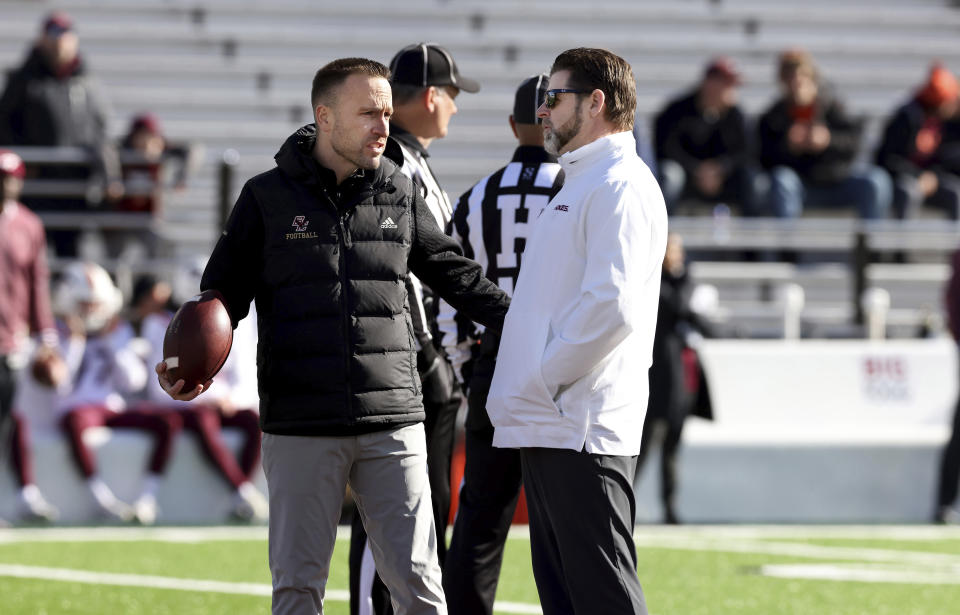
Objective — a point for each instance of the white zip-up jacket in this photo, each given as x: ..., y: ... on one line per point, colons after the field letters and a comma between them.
x: 578, y: 339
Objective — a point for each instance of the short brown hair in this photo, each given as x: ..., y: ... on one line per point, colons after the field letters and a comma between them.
x: 794, y: 59
x: 332, y: 75
x: 599, y: 69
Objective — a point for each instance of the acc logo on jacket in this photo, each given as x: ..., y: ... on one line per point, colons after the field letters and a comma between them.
x: 562, y: 208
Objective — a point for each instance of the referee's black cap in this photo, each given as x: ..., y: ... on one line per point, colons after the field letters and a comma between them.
x: 426, y: 64
x: 528, y: 99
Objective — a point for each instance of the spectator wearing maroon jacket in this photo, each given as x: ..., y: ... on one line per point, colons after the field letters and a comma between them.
x: 919, y: 148
x: 24, y: 310
x: 150, y: 165
x: 808, y: 143
x: 144, y: 177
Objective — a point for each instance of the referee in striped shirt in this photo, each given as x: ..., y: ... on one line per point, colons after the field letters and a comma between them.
x: 492, y: 221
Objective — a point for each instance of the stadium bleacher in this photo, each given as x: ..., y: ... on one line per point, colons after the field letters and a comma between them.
x: 235, y: 74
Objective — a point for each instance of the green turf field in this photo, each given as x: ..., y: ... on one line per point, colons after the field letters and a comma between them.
x: 684, y: 571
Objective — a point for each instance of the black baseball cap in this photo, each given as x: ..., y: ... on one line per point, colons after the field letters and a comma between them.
x: 528, y: 99
x: 426, y: 64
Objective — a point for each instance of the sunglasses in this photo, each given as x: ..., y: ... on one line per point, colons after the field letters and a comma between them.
x: 551, y: 98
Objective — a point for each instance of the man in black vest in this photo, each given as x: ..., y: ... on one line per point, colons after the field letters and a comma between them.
x: 324, y: 243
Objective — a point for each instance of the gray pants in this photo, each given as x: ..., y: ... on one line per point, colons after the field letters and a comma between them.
x: 387, y: 471
x: 581, y: 532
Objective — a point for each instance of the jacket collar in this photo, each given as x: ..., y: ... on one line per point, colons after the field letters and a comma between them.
x: 586, y: 156
x: 295, y: 158
x: 531, y: 154
x: 408, y: 140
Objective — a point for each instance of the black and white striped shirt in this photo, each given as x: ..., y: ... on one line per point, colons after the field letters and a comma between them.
x: 491, y: 221
x: 423, y: 307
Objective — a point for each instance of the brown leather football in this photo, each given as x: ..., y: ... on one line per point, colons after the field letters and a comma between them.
x: 198, y: 340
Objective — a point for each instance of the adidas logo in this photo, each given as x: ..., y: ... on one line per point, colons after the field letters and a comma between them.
x: 388, y: 223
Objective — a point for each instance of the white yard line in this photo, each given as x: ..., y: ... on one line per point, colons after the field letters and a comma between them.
x: 131, y: 534
x: 197, y: 585
x: 807, y: 532
x: 863, y: 573
x: 791, y: 549
x: 142, y: 580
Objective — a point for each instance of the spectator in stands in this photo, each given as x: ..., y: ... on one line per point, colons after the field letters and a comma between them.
x: 24, y: 311
x: 149, y: 164
x: 425, y: 82
x: 701, y: 143
x: 217, y: 410
x: 674, y: 381
x: 949, y: 484
x: 808, y: 143
x: 918, y: 148
x: 51, y: 100
x: 104, y: 366
x: 144, y: 177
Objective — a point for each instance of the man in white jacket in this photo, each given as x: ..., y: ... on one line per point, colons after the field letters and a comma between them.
x: 570, y: 387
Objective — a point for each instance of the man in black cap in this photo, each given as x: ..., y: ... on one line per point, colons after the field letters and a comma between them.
x: 425, y: 82
x: 491, y: 221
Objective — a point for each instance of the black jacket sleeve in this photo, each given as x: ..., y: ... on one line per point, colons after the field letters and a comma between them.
x: 772, y: 137
x: 845, y: 131
x: 896, y: 146
x: 438, y: 260
x: 237, y: 260
x: 11, y: 104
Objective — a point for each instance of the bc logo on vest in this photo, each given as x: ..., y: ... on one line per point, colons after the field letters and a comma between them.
x: 300, y: 225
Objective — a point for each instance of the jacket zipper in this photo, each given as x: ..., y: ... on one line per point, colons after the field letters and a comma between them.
x: 346, y: 243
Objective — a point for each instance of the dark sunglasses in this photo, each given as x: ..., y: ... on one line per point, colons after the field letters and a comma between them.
x: 551, y: 98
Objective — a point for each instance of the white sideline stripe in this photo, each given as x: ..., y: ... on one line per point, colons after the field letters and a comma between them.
x: 139, y: 580
x: 130, y: 534
x: 197, y: 585
x: 865, y: 574
x: 880, y: 532
x: 801, y: 550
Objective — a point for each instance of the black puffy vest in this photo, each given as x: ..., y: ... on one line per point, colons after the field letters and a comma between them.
x: 336, y: 353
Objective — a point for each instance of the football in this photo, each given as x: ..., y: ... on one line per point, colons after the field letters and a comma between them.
x: 198, y: 340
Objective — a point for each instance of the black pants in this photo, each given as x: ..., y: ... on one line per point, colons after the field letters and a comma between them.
x: 488, y: 498
x: 673, y: 430
x: 7, y: 389
x: 950, y: 465
x: 581, y: 532
x: 440, y: 430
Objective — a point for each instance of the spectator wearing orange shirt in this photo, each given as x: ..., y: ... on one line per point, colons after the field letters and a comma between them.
x: 919, y: 145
